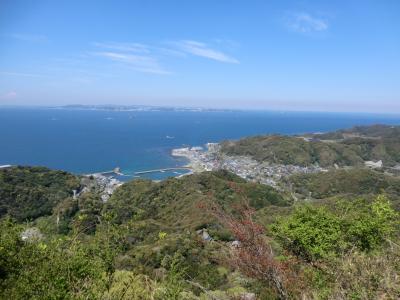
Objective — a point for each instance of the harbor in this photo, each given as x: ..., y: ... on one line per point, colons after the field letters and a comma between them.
x: 118, y: 175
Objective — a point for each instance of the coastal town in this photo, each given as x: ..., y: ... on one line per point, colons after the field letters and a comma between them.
x: 104, y: 183
x: 211, y: 158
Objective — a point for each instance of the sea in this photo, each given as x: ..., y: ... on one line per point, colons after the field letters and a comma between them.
x: 89, y: 141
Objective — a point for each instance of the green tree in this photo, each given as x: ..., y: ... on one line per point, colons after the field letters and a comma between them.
x: 370, y: 225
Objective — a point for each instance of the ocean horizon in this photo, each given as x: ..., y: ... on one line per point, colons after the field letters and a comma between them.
x: 91, y: 141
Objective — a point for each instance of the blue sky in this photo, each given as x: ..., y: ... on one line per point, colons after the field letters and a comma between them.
x: 286, y: 55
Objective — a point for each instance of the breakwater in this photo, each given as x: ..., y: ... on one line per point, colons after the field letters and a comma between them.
x: 162, y: 170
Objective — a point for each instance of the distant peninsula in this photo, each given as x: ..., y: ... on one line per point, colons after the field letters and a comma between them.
x: 111, y: 107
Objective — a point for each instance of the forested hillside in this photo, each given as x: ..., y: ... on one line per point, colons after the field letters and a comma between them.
x: 374, y: 131
x: 353, y: 182
x: 204, y: 236
x: 344, y: 148
x: 27, y: 193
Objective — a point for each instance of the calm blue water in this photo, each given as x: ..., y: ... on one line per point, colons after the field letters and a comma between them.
x: 82, y: 141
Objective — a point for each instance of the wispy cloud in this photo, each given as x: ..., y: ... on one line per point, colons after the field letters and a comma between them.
x: 203, y: 50
x: 142, y: 63
x: 28, y: 37
x: 9, y: 95
x: 146, y: 57
x: 305, y: 23
x: 126, y: 47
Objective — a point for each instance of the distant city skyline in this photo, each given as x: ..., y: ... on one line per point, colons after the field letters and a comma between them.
x: 271, y: 55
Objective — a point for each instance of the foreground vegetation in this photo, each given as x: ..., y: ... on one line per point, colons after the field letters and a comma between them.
x: 204, y: 236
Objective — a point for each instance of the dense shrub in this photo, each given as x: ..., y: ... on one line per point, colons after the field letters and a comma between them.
x: 53, y: 269
x: 311, y: 232
x: 369, y: 225
x: 316, y: 232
